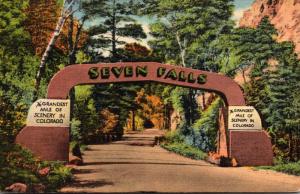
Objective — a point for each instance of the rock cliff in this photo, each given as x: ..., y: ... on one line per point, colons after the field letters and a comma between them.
x: 284, y: 15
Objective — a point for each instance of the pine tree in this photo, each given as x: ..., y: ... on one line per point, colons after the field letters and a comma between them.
x: 272, y: 89
x: 117, y: 98
x: 113, y: 22
x: 185, y: 28
x: 283, y: 108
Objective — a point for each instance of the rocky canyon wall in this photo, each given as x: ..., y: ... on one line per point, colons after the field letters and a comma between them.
x: 283, y: 14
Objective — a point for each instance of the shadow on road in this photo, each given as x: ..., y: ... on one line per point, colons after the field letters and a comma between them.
x: 90, y: 183
x: 151, y: 163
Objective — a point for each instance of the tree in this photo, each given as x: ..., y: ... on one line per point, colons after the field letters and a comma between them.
x: 134, y: 52
x: 151, y: 109
x: 283, y: 108
x: 114, y: 22
x: 185, y: 35
x: 187, y: 26
x: 65, y: 13
x: 40, y: 22
x: 119, y: 99
x: 273, y: 87
x: 255, y: 46
x: 17, y: 65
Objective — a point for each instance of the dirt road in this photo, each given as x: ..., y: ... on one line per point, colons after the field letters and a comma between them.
x: 133, y: 165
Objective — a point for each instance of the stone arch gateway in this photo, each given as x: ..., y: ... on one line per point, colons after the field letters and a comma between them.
x: 46, y: 133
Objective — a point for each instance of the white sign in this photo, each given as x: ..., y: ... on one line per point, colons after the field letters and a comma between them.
x: 49, y: 113
x: 243, y: 117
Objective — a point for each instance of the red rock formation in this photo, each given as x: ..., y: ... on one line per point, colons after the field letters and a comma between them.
x: 284, y: 14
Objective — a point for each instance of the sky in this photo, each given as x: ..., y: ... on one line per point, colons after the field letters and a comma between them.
x: 240, y: 7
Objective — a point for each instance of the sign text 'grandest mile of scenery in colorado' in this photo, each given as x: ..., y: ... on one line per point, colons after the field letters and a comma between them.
x: 49, y: 113
x: 243, y: 118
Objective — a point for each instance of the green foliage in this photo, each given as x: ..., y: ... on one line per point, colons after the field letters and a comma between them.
x: 75, y: 130
x: 17, y: 68
x: 255, y: 46
x: 206, y: 128
x: 118, y: 98
x: 177, y: 98
x: 16, y: 71
x: 114, y: 17
x: 173, y: 137
x: 81, y: 57
x: 174, y: 142
x: 273, y: 88
x: 186, y: 28
x: 58, y: 176
x: 19, y: 165
x: 86, y: 117
x: 189, y: 33
x: 184, y: 102
x: 289, y: 168
x: 12, y: 118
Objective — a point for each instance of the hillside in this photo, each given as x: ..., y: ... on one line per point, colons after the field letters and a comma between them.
x: 284, y: 14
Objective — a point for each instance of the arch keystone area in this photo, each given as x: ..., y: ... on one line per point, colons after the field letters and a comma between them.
x: 47, y: 131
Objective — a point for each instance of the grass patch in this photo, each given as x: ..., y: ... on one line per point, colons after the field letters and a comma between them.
x: 174, y: 142
x: 288, y: 168
x: 185, y: 150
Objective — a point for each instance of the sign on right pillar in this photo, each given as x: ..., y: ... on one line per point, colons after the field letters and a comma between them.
x: 249, y: 144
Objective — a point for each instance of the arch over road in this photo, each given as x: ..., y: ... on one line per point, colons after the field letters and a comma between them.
x: 51, y: 142
x: 73, y: 75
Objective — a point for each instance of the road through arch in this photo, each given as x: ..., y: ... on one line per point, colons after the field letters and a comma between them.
x: 48, y: 135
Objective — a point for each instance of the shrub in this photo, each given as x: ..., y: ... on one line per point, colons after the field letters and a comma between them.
x: 185, y: 150
x: 75, y: 130
x: 174, y: 137
x: 205, y: 130
x: 58, y: 176
x: 175, y: 142
x: 19, y: 165
x: 289, y: 168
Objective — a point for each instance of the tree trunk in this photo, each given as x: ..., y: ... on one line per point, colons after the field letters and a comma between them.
x: 72, y: 60
x: 244, y: 76
x: 190, y: 120
x: 133, y: 121
x: 182, y: 49
x: 114, y: 31
x: 45, y: 56
x: 203, y: 101
x: 291, y: 147
x: 64, y: 15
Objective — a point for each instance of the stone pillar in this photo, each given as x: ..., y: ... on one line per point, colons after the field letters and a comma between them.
x: 48, y: 143
x: 222, y: 148
x: 250, y: 148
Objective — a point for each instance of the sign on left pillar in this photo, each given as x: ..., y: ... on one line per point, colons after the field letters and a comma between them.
x: 49, y: 113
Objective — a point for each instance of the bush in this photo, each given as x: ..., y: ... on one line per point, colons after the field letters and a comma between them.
x: 186, y: 150
x: 205, y: 130
x: 59, y: 175
x: 19, y: 165
x: 75, y: 130
x: 289, y: 168
x: 74, y: 148
x: 173, y: 137
x: 174, y: 142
